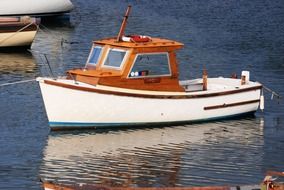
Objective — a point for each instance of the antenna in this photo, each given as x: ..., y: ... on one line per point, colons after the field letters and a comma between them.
x: 123, y: 25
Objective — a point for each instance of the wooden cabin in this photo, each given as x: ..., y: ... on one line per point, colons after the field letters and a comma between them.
x: 149, y: 64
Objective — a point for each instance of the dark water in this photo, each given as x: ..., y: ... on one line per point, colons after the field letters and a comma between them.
x: 223, y: 36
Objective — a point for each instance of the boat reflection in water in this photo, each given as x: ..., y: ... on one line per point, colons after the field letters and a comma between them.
x: 196, y: 155
x: 20, y: 63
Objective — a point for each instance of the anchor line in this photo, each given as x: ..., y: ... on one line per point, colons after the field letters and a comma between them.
x: 44, y: 60
x: 273, y: 93
x: 50, y: 69
x: 45, y: 29
x: 17, y: 82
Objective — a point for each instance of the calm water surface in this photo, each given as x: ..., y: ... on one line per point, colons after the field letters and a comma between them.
x: 223, y: 36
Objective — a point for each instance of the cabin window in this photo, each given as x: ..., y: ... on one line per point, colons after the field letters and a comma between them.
x: 94, y: 56
x: 115, y: 58
x: 151, y: 65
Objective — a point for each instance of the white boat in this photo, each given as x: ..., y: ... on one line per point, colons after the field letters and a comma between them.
x: 133, y: 81
x: 34, y: 7
x: 17, y: 31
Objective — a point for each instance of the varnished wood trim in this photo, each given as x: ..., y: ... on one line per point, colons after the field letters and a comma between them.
x: 16, y: 27
x: 230, y: 105
x: 50, y: 185
x: 152, y: 80
x: 87, y: 89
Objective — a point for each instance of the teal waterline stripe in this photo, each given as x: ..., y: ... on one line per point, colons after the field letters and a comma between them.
x: 58, y: 124
x: 82, y: 125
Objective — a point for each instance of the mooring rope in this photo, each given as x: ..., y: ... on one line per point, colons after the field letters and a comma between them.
x: 46, y: 30
x: 273, y: 93
x: 17, y: 82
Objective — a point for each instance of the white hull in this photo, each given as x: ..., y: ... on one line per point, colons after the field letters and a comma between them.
x: 80, y: 105
x: 12, y: 39
x: 34, y: 7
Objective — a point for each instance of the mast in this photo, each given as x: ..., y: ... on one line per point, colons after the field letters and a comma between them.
x: 123, y: 25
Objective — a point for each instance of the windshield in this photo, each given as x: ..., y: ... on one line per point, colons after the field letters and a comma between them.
x: 115, y: 58
x: 151, y: 65
x: 94, y: 56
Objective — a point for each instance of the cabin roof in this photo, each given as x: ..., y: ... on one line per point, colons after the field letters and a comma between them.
x: 155, y: 42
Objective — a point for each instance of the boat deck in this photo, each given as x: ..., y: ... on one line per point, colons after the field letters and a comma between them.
x: 214, y: 84
x: 192, y: 87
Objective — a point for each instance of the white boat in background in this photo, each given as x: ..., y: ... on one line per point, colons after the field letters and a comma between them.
x: 133, y: 80
x: 34, y: 7
x: 17, y: 31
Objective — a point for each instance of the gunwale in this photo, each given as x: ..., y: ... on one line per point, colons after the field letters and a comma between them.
x: 13, y: 27
x: 179, y: 95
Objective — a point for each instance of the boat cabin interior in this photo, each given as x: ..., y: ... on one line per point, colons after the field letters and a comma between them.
x: 147, y: 65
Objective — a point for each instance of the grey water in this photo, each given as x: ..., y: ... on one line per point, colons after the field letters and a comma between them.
x: 225, y: 37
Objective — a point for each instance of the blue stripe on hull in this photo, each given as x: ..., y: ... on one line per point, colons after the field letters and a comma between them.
x: 81, y: 125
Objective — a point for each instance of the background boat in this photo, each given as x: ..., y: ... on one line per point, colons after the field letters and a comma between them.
x: 18, y: 31
x: 34, y: 7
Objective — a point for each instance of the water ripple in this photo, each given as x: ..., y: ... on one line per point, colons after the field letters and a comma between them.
x: 223, y: 36
x: 192, y: 154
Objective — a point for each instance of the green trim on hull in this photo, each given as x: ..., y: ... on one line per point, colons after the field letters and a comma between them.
x: 57, y: 126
